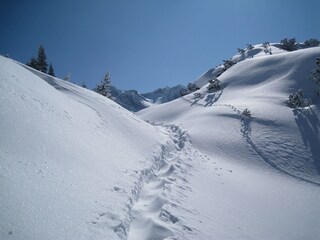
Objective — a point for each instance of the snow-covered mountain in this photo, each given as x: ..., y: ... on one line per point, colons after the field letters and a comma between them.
x: 163, y: 95
x: 259, y: 176
x: 76, y: 165
x: 134, y: 101
x: 259, y: 50
x: 131, y: 99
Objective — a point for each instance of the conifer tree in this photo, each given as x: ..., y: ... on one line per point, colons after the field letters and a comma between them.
x: 42, y: 60
x: 315, y: 75
x: 289, y: 44
x: 104, y: 88
x: 51, y: 71
x: 33, y: 63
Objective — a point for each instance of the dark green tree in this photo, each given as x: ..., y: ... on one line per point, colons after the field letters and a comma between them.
x: 84, y: 85
x: 33, y: 63
x: 313, y: 42
x: 42, y: 60
x: 51, y: 71
x: 289, y: 44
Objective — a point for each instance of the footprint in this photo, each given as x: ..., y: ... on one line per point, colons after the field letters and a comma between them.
x: 165, y: 215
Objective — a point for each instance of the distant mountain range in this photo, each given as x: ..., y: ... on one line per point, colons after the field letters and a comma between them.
x: 135, y: 101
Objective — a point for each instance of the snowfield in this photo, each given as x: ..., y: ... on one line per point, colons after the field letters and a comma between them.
x: 260, y: 178
x: 72, y: 161
x: 75, y: 165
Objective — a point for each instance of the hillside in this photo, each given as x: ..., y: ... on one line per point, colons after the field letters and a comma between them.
x: 76, y: 165
x: 261, y: 175
x: 71, y: 161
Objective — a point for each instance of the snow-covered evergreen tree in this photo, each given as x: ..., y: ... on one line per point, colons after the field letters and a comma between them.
x: 192, y: 87
x: 249, y: 47
x: 246, y: 112
x: 312, y: 42
x: 104, y: 88
x: 214, y: 84
x: 315, y: 75
x: 289, y: 44
x: 227, y: 64
x: 297, y: 100
x: 241, y: 50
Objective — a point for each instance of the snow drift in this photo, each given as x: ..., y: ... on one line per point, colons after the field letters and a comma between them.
x: 71, y: 161
x: 75, y: 165
x: 260, y: 178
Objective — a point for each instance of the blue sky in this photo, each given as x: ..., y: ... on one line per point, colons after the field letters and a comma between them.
x: 147, y: 44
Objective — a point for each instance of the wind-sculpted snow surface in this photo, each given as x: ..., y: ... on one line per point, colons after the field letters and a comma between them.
x: 75, y: 165
x: 258, y: 51
x: 267, y: 164
x: 71, y: 161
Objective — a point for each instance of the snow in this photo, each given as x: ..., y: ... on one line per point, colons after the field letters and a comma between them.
x: 259, y: 178
x: 131, y: 100
x: 72, y: 161
x: 163, y: 95
x: 76, y: 165
x: 257, y: 51
x: 134, y: 101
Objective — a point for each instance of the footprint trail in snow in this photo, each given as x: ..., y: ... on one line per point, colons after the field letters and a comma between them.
x: 160, y: 212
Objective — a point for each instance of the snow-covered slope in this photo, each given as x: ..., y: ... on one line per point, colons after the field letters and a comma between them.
x: 75, y: 165
x: 72, y: 162
x: 259, y: 50
x: 259, y: 177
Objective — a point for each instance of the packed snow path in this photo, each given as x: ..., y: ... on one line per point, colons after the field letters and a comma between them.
x: 160, y: 212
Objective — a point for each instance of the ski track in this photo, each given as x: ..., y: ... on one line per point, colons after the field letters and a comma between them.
x: 246, y: 132
x: 159, y: 210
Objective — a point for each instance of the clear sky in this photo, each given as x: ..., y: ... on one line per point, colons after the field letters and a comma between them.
x: 147, y: 44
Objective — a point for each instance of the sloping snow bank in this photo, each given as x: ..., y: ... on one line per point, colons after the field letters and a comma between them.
x: 262, y: 177
x: 258, y: 51
x: 71, y: 161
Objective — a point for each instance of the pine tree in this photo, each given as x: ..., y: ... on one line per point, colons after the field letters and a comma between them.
x: 249, y: 46
x: 313, y: 42
x: 192, y: 87
x: 84, y: 85
x: 33, y: 63
x: 315, y: 74
x: 104, y: 88
x: 42, y: 64
x: 289, y: 44
x: 51, y: 71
